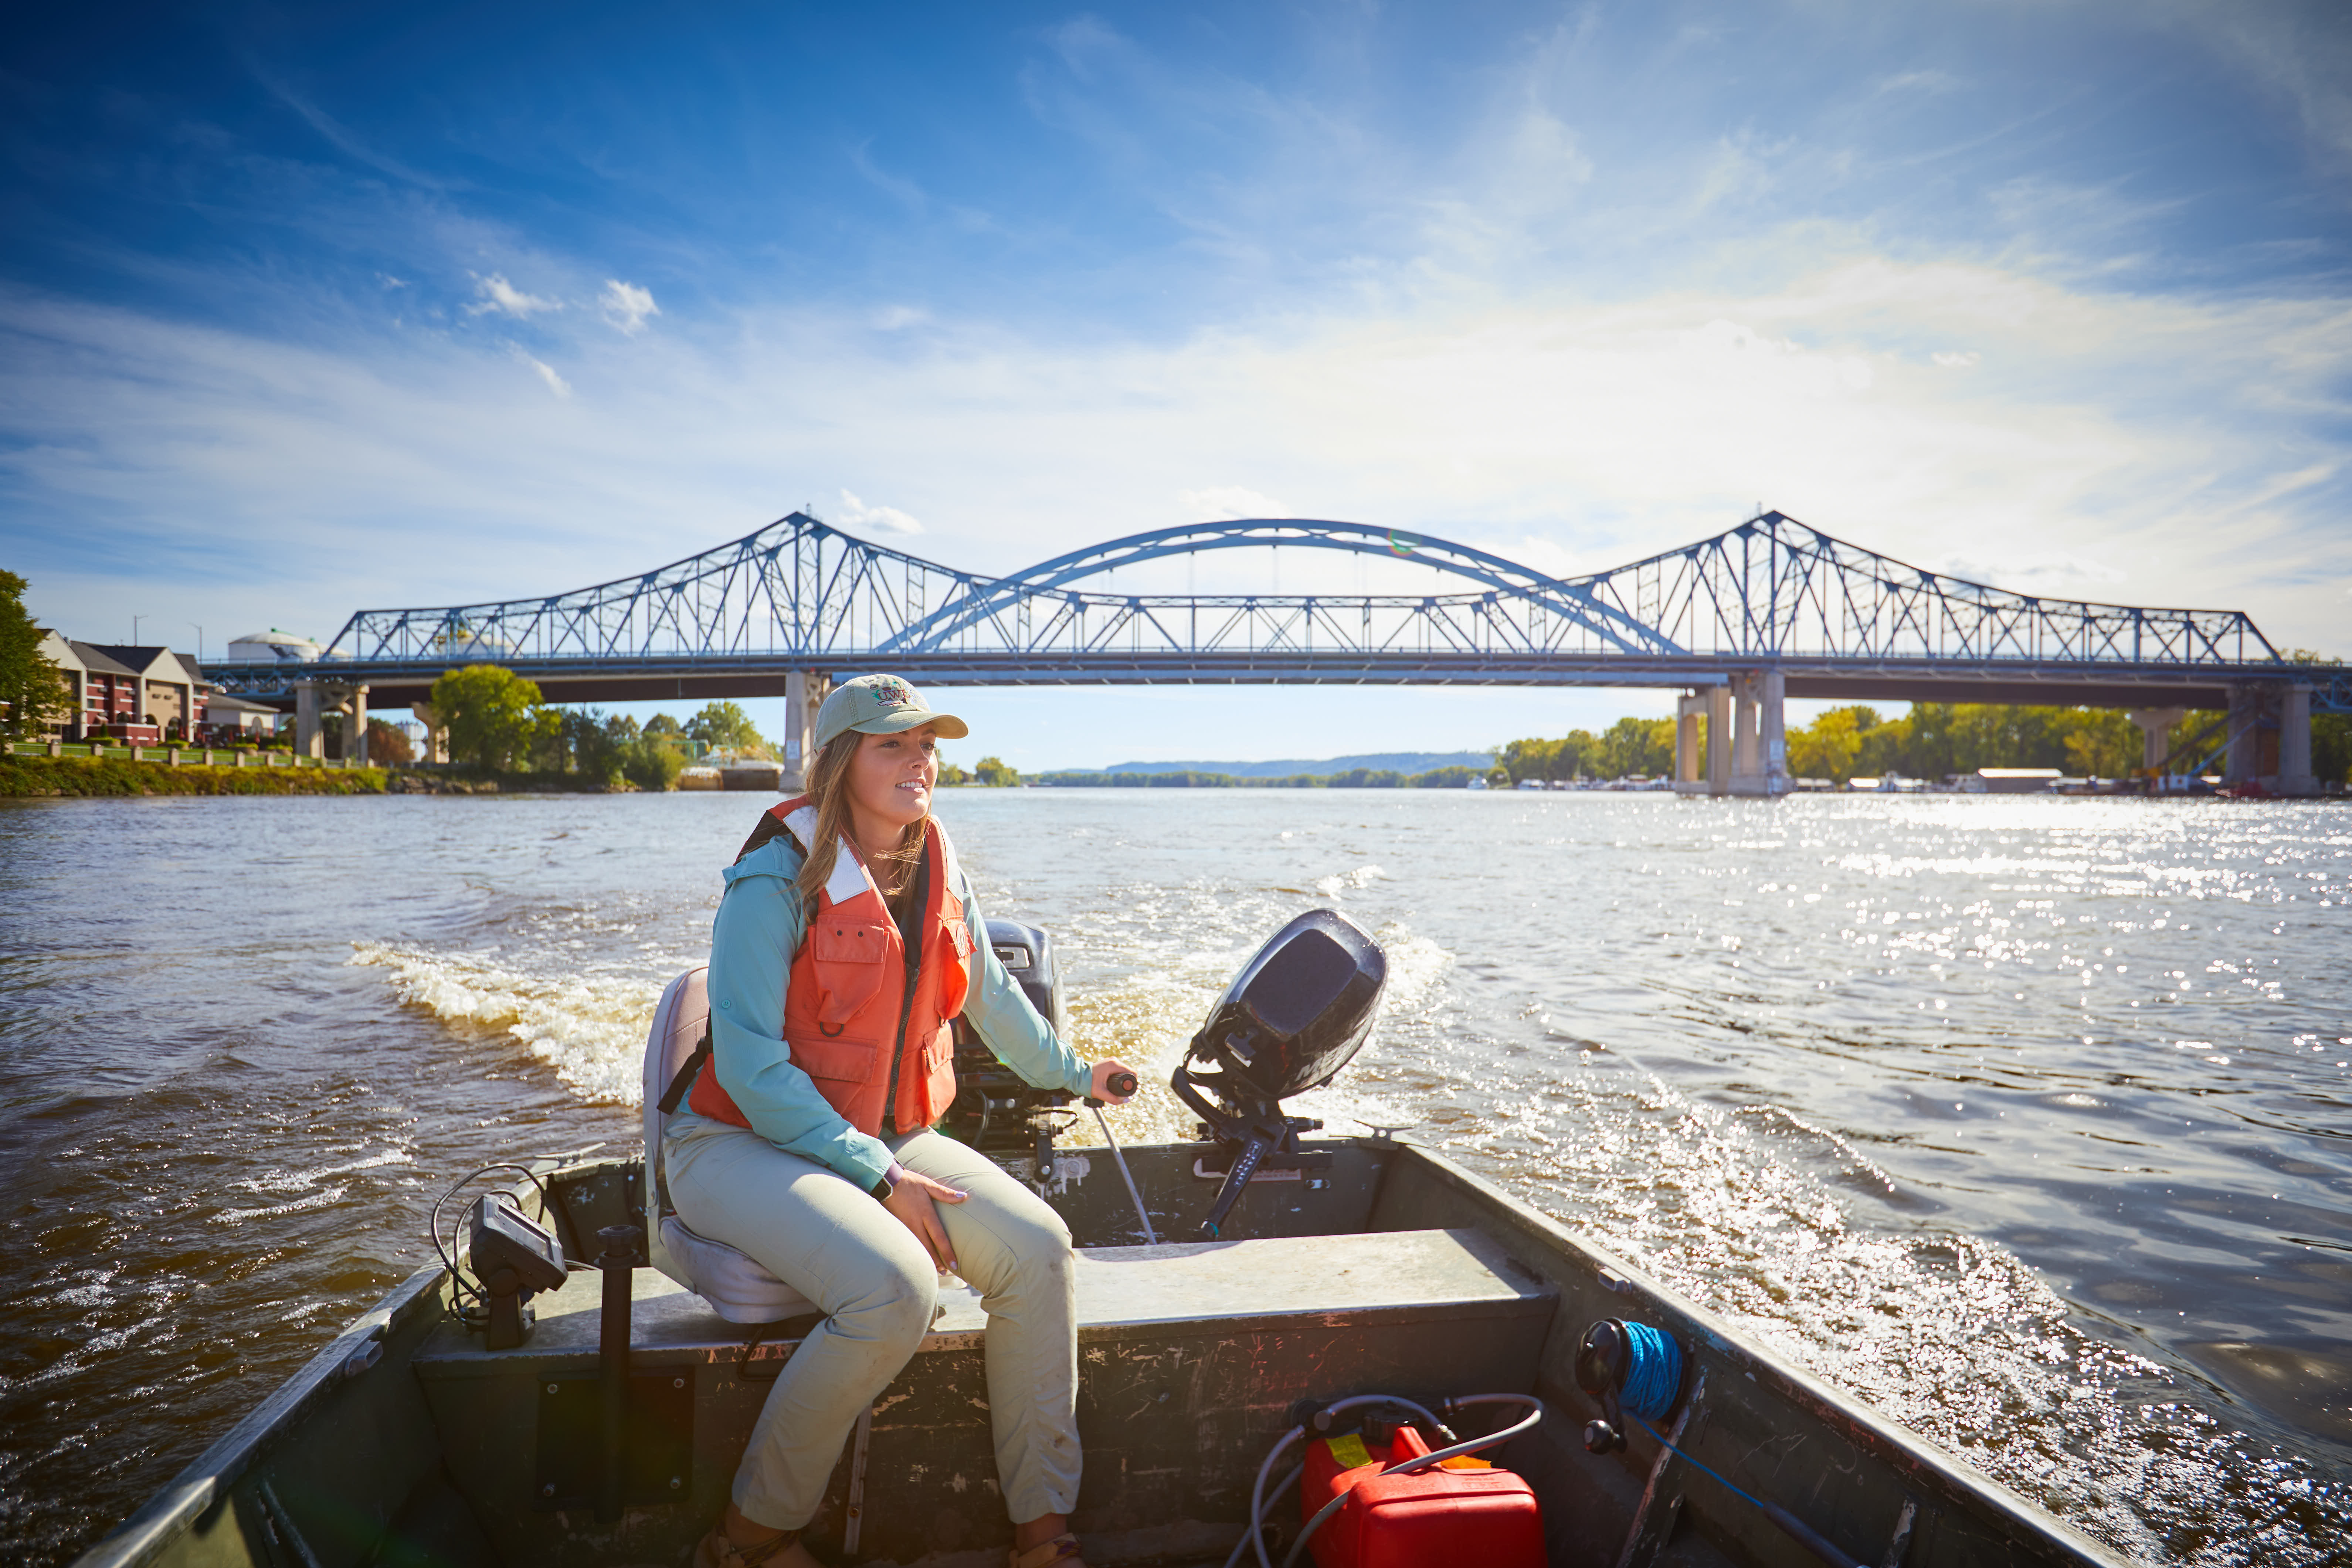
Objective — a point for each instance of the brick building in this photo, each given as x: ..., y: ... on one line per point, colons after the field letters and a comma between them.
x: 141, y: 696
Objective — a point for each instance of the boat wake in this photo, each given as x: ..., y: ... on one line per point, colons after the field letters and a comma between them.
x: 588, y: 1027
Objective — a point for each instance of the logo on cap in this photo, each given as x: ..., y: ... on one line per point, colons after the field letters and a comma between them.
x: 892, y: 692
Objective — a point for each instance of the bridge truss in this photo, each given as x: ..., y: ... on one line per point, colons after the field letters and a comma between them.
x: 801, y: 594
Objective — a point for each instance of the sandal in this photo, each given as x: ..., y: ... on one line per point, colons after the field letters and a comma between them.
x: 716, y: 1550
x: 1062, y: 1549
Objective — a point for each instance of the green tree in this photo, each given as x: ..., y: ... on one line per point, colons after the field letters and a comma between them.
x: 1831, y: 747
x: 32, y: 688
x: 1633, y: 746
x: 991, y: 772
x: 1529, y: 759
x: 724, y: 727
x: 2102, y: 742
x: 952, y: 775
x: 495, y: 718
x: 653, y: 763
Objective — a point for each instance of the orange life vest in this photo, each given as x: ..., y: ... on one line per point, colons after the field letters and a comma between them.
x: 850, y: 1020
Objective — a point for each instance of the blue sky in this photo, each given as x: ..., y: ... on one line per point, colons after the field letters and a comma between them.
x: 306, y: 310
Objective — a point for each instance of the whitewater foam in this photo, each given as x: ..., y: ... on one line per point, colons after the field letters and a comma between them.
x: 588, y: 1027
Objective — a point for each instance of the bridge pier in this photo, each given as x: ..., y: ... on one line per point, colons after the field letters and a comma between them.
x: 2270, y: 737
x: 309, y: 733
x: 2156, y: 727
x: 1687, y: 710
x: 1711, y: 704
x: 436, y: 734
x: 804, y: 693
x: 2294, y: 775
x: 1760, y: 748
x: 1718, y: 740
x: 313, y: 701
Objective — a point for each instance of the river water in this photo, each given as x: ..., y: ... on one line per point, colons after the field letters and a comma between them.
x: 2024, y: 1119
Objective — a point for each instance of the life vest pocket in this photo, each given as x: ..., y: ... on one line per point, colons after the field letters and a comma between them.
x: 955, y: 971
x: 850, y: 960
x: 836, y: 1061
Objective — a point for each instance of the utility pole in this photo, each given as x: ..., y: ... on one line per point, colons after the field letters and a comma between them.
x: 200, y: 642
x: 134, y: 629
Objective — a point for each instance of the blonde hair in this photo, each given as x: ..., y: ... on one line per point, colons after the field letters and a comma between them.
x: 828, y: 791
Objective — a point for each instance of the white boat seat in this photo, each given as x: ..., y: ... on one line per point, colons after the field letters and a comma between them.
x: 737, y: 1286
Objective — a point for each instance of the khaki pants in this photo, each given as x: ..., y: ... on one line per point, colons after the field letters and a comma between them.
x: 878, y: 1286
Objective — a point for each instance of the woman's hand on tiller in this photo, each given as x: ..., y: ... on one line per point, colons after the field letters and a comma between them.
x: 1101, y: 1084
x: 912, y: 1203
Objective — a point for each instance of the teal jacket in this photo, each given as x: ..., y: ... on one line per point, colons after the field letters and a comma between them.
x: 761, y: 925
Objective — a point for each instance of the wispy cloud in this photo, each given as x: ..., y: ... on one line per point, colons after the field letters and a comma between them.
x: 859, y: 518
x: 498, y: 294
x: 626, y: 306
x: 2102, y: 435
x: 341, y: 138
x: 546, y: 373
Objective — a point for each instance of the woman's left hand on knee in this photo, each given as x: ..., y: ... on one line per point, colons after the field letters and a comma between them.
x: 913, y: 1203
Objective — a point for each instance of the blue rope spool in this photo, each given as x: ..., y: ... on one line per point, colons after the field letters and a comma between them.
x: 1654, y: 1372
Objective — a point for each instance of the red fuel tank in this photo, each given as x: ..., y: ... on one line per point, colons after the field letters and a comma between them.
x: 1463, y: 1511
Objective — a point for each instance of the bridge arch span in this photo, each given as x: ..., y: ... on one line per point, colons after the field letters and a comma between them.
x: 987, y: 601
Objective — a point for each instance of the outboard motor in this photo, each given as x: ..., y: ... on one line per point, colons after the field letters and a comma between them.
x: 1295, y: 1015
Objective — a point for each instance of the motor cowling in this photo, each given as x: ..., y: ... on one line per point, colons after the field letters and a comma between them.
x: 1295, y: 1015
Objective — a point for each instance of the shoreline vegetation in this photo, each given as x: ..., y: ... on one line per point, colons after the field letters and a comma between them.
x: 27, y: 778
x: 504, y: 738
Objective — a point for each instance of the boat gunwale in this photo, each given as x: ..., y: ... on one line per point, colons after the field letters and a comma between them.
x: 206, y: 1481
x: 1869, y: 1429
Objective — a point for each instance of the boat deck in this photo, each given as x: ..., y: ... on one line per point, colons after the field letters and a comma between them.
x: 1191, y: 1355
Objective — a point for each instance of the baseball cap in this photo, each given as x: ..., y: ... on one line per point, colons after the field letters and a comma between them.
x: 881, y: 705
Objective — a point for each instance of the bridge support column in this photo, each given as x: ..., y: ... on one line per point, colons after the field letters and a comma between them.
x: 2294, y: 775
x: 2156, y: 725
x: 355, y: 738
x: 1744, y: 770
x: 310, y: 734
x: 1687, y: 712
x: 804, y: 693
x: 2243, y: 764
x: 436, y: 735
x: 1759, y: 751
x: 1718, y: 740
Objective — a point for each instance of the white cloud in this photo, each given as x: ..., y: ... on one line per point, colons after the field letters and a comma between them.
x: 626, y: 306
x: 498, y: 294
x: 856, y: 517
x: 556, y: 384
x: 1957, y: 360
x: 2156, y: 451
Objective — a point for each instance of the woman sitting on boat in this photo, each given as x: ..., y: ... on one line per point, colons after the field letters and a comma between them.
x: 846, y: 942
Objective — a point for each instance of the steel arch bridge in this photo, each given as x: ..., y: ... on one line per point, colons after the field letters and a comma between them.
x: 800, y: 595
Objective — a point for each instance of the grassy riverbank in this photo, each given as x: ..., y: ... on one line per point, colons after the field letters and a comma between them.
x: 23, y: 776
